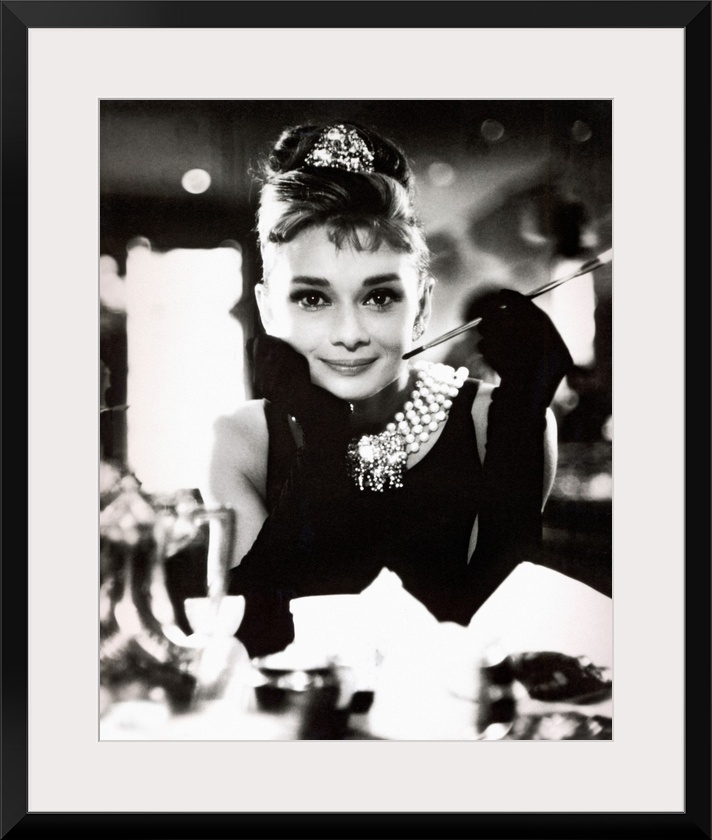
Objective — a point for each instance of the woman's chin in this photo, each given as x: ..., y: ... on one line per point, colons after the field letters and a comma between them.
x: 348, y: 392
x: 363, y: 392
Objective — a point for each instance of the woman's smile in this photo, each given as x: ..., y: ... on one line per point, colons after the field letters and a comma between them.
x: 350, y: 367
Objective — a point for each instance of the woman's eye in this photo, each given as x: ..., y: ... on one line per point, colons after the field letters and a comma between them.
x: 382, y: 297
x: 309, y: 300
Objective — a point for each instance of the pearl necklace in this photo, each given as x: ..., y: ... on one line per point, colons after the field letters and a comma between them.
x: 378, y: 462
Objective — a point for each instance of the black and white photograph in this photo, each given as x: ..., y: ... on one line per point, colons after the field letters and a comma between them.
x: 357, y: 426
x: 331, y: 319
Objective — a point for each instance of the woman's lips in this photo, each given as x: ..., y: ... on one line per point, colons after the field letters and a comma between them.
x: 348, y: 367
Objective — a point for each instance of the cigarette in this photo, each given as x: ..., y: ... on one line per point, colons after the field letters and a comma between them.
x: 586, y: 268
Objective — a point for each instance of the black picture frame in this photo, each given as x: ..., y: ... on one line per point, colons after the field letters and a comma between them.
x: 694, y: 18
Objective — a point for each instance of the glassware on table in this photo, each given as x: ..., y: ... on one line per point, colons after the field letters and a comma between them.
x: 158, y: 652
x: 483, y: 678
x: 496, y: 702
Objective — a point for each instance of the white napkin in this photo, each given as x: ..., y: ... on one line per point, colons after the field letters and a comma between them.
x: 430, y: 678
x: 538, y: 609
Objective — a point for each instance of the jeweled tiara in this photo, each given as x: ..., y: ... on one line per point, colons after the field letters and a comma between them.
x: 339, y: 147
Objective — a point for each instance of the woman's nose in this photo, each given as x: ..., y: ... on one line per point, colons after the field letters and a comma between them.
x: 348, y: 329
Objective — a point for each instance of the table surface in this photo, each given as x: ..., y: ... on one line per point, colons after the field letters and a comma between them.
x: 425, y: 675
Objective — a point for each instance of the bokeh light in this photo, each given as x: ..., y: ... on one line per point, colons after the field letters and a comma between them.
x: 492, y: 130
x: 581, y: 131
x: 196, y: 181
x: 441, y: 174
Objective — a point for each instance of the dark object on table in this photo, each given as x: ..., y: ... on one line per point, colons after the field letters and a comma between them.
x: 311, y: 696
x: 361, y: 702
x: 555, y: 677
x: 561, y: 726
x: 497, y: 707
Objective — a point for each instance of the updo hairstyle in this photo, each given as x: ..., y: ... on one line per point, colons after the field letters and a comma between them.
x: 363, y: 209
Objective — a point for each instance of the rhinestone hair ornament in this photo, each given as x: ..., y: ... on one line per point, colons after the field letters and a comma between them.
x: 340, y: 147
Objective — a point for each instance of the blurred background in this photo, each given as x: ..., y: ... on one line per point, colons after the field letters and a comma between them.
x: 511, y: 193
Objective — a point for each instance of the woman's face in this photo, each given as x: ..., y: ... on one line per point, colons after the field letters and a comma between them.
x: 350, y: 313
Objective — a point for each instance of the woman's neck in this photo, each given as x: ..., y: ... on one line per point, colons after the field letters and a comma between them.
x: 371, y: 415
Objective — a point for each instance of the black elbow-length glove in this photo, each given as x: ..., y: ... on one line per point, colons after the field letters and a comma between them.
x: 290, y: 547
x: 524, y: 347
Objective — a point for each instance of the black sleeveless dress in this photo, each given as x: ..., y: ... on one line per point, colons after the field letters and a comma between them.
x: 420, y: 531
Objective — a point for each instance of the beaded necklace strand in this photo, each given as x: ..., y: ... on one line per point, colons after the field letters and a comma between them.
x: 378, y: 462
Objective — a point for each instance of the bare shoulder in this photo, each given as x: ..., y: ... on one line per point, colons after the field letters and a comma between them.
x: 480, y: 409
x: 238, y: 470
x: 247, y: 422
x: 242, y: 439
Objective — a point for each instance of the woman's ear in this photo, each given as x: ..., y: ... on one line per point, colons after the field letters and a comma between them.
x: 263, y: 305
x: 426, y: 302
x: 424, y: 309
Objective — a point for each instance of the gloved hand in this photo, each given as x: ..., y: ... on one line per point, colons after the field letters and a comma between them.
x: 297, y: 541
x: 281, y: 375
x: 523, y: 346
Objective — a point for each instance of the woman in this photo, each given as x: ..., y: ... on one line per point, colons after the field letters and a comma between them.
x: 353, y: 459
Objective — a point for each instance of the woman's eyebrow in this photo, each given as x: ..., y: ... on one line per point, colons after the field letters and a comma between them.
x: 306, y: 280
x: 377, y: 279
